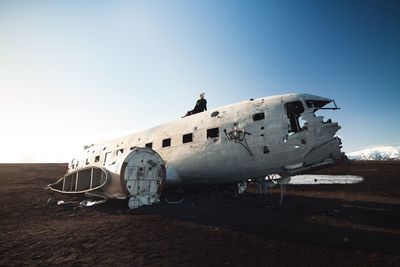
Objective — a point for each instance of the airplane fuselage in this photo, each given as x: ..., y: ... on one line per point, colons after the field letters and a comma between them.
x: 233, y: 143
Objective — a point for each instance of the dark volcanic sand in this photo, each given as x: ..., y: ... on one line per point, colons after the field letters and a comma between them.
x: 332, y: 225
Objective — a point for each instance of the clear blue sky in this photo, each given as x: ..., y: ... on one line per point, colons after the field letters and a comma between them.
x: 76, y: 72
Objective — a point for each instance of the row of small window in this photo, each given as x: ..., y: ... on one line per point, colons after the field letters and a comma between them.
x: 108, y: 154
x: 211, y: 133
x: 186, y: 138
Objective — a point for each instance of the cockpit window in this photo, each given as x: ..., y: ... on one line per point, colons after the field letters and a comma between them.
x: 320, y: 104
x: 293, y: 111
x: 316, y: 103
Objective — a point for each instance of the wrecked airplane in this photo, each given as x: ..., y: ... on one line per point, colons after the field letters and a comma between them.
x: 266, y: 140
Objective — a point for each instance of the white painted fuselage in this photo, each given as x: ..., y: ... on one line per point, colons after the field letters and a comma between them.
x: 233, y: 143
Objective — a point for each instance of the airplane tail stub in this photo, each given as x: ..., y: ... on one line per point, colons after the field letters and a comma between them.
x: 140, y: 176
x: 143, y: 176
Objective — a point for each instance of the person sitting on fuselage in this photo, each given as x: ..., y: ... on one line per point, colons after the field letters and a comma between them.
x: 201, y: 105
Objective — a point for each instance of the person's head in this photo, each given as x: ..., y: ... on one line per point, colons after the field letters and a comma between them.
x: 202, y: 95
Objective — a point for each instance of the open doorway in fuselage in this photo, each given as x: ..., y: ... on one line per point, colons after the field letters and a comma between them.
x: 296, y: 122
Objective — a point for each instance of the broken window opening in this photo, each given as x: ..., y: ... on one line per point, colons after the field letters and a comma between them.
x: 293, y: 111
x: 166, y: 142
x: 213, y: 133
x: 120, y: 151
x: 258, y: 116
x: 97, y: 159
x: 132, y: 147
x: 320, y: 104
x: 187, y: 138
x: 87, y: 162
x: 149, y: 145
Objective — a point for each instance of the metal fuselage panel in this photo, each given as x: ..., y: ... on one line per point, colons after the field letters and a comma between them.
x: 267, y: 146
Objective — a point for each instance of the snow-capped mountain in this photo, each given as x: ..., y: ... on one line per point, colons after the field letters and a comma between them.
x: 376, y: 153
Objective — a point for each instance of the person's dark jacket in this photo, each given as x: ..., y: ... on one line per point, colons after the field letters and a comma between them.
x: 201, y: 105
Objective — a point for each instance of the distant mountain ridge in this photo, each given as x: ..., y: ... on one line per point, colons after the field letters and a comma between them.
x: 376, y: 153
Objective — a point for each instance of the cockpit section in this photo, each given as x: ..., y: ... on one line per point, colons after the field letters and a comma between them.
x: 309, y: 137
x: 301, y: 113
